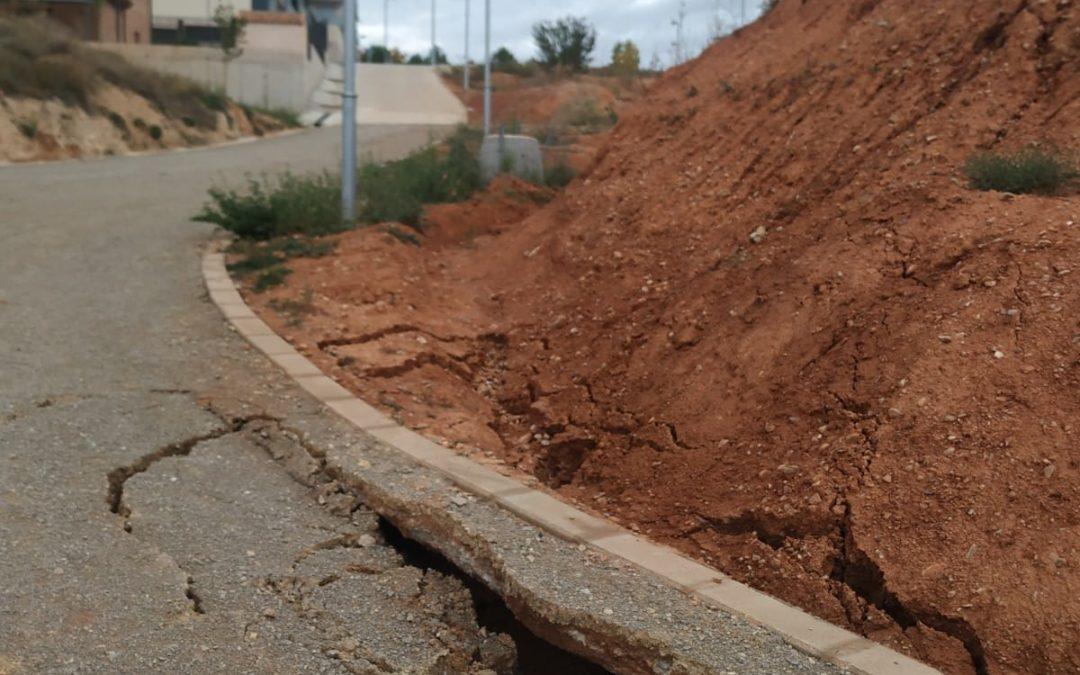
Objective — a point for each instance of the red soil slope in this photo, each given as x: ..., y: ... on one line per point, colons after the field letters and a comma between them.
x: 869, y: 410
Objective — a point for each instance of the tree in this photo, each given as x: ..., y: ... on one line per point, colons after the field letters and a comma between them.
x: 231, y: 27
x: 625, y: 59
x: 377, y: 54
x: 566, y: 43
x: 417, y: 60
x: 504, y: 60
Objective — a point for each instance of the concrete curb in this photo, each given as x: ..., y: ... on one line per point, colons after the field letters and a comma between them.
x: 808, y: 633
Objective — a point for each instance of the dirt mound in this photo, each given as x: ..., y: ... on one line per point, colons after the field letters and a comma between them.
x: 773, y: 327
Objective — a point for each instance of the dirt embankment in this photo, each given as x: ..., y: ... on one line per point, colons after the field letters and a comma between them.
x: 61, y: 98
x: 773, y: 327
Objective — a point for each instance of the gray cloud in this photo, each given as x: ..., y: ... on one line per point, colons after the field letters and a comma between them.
x: 647, y: 22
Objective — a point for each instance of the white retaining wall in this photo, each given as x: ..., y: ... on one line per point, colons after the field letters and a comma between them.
x: 272, y: 79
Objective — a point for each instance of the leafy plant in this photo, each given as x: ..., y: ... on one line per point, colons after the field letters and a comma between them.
x: 1030, y: 171
x: 397, y: 191
x: 275, y: 207
x: 155, y: 132
x: 559, y: 176
x: 275, y: 276
x: 625, y: 59
x: 27, y: 128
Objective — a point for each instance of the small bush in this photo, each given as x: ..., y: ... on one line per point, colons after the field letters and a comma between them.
x: 397, y: 191
x: 215, y: 100
x: 117, y: 120
x: 1029, y: 171
x: 274, y: 276
x: 254, y: 256
x: 586, y: 114
x: 559, y: 176
x: 269, y: 208
x: 155, y: 132
x: 27, y: 128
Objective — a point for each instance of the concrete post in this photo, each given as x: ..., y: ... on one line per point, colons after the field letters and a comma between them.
x: 348, y: 118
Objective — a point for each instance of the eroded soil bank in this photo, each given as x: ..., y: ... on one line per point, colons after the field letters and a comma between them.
x: 868, y: 407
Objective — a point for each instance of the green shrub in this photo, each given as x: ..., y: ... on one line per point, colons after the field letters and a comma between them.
x: 397, y: 191
x: 155, y: 132
x: 259, y: 255
x: 27, y: 128
x: 559, y: 176
x: 275, y: 276
x: 586, y: 114
x: 1029, y: 171
x: 269, y: 208
x: 286, y: 117
x: 117, y: 120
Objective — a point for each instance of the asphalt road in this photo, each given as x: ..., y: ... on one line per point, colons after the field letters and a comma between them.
x: 154, y: 517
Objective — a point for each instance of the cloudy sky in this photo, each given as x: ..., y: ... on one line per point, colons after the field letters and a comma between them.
x: 647, y: 22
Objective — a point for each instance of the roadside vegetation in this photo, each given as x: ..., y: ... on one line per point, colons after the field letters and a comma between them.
x: 1032, y: 170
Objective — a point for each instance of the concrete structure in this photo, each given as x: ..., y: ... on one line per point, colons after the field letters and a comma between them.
x: 107, y: 21
x: 387, y: 94
x: 273, y: 79
x: 519, y: 155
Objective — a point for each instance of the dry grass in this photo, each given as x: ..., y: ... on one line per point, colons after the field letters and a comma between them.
x: 40, y: 59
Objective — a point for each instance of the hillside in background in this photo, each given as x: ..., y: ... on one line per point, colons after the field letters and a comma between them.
x: 773, y: 325
x: 61, y: 98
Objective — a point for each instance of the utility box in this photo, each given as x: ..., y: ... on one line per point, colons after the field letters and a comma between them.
x: 519, y: 155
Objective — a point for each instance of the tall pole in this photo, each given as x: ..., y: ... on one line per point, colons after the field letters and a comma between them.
x: 433, y: 32
x: 348, y: 118
x: 742, y: 12
x: 465, y: 85
x: 386, y: 24
x: 487, y: 67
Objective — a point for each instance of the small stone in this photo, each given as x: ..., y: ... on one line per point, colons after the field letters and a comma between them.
x: 990, y: 283
x: 1049, y: 470
x: 895, y: 413
x: 608, y: 611
x: 269, y: 612
x: 887, y: 478
x: 459, y: 500
x: 945, y: 338
x: 365, y: 540
x: 769, y: 427
x: 998, y: 354
x: 758, y: 235
x: 788, y: 469
x: 350, y: 644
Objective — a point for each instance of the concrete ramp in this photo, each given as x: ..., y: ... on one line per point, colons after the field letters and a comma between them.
x: 387, y: 94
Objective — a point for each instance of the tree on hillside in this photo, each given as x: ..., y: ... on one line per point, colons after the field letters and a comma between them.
x: 504, y: 60
x: 567, y: 43
x: 625, y: 59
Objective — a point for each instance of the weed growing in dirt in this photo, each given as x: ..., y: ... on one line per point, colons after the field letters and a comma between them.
x: 27, y: 128
x: 295, y: 309
x: 1029, y: 171
x: 397, y: 191
x: 253, y: 256
x: 559, y: 176
x: 275, y: 276
x: 276, y: 207
x: 586, y: 114
x: 117, y: 120
x: 155, y: 132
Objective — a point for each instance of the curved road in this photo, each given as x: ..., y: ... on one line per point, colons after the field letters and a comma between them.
x: 145, y: 525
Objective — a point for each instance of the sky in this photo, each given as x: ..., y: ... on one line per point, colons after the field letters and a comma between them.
x: 647, y: 22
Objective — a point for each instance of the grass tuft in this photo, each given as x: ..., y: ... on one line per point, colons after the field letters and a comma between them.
x: 1029, y: 171
x: 275, y: 276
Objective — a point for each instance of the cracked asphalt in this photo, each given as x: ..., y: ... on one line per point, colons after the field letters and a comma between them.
x: 153, y: 516
x: 171, y: 502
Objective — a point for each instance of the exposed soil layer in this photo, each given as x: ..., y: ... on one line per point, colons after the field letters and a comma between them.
x: 869, y: 408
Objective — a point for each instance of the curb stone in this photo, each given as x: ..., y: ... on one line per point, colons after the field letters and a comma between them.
x: 809, y: 634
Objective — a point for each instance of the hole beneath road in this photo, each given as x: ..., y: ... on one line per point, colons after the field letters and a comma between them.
x: 536, y: 656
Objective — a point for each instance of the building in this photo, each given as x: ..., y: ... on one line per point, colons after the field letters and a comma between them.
x: 122, y: 21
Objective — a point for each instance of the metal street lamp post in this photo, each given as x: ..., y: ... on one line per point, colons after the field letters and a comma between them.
x: 348, y: 118
x: 465, y: 85
x: 487, y: 67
